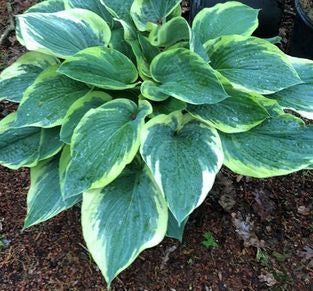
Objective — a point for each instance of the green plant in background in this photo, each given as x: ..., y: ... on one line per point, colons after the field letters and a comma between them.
x: 209, y: 241
x: 125, y: 107
x: 262, y: 257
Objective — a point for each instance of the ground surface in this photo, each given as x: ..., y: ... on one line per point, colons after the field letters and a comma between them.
x: 264, y: 232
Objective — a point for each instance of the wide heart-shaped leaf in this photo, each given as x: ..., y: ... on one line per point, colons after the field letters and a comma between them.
x: 93, y: 5
x: 119, y: 9
x: 279, y: 146
x: 225, y: 19
x: 299, y: 97
x: 102, y: 67
x: 186, y: 76
x: 104, y: 142
x: 123, y: 219
x: 144, y: 12
x: 174, y: 230
x: 184, y: 158
x: 252, y: 64
x: 177, y: 29
x: 18, y: 147
x: 76, y: 112
x: 63, y: 33
x: 195, y: 45
x: 52, y: 95
x: 303, y: 67
x: 44, y: 199
x: 47, y: 6
x: 15, y: 79
x: 24, y: 147
x: 238, y: 113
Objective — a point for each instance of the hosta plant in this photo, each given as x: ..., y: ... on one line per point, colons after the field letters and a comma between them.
x: 129, y: 112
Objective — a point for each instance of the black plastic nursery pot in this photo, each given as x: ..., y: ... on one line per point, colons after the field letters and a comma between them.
x: 302, y: 39
x: 269, y: 17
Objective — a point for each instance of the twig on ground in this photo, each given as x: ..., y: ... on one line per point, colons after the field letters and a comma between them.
x: 11, y: 25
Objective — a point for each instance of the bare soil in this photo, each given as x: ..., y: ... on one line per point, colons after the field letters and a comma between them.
x: 263, y: 228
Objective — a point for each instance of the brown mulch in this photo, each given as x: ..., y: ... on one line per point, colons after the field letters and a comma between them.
x: 274, y: 213
x: 4, y: 15
x: 264, y: 231
x: 11, y: 49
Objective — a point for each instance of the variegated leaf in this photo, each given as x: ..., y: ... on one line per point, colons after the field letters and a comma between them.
x: 144, y: 12
x: 120, y: 44
x: 239, y: 113
x: 145, y: 52
x: 47, y: 6
x: 101, y: 67
x: 279, y: 146
x: 184, y: 75
x: 50, y: 143
x: 104, y: 142
x: 51, y: 94
x: 123, y: 219
x: 304, y: 68
x: 171, y: 32
x: 252, y: 64
x: 174, y: 230
x: 168, y: 106
x: 44, y: 199
x: 15, y: 79
x: 184, y: 157
x: 24, y: 147
x: 225, y: 19
x: 142, y: 49
x: 63, y: 33
x: 79, y: 108
x: 152, y: 91
x: 299, y: 97
x: 119, y: 9
x: 93, y: 5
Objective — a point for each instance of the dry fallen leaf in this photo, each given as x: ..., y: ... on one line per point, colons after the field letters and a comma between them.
x: 268, y: 279
x: 304, y: 210
x: 244, y: 228
x: 264, y: 205
x: 227, y: 201
x: 239, y: 178
x: 307, y: 255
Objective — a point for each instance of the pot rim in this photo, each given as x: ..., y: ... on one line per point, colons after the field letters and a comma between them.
x: 303, y: 15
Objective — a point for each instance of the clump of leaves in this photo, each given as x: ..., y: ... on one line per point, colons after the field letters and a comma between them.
x: 209, y: 241
x: 126, y: 107
x: 262, y: 257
